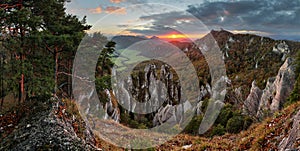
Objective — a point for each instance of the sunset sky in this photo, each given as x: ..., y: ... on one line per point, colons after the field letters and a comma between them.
x: 279, y: 19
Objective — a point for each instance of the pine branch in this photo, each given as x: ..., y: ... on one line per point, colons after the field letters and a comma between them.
x: 78, y: 77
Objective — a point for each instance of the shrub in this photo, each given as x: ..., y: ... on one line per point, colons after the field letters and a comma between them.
x: 247, y: 122
x: 225, y: 114
x: 193, y: 126
x: 235, y: 124
x: 295, y: 95
x: 126, y: 120
x: 218, y: 130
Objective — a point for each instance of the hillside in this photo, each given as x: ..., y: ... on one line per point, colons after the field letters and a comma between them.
x: 250, y: 57
x: 279, y: 132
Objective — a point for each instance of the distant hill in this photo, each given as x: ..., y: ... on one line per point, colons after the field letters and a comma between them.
x: 125, y: 41
x: 249, y: 57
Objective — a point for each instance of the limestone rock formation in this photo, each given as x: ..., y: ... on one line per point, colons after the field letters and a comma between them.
x: 278, y: 89
x: 111, y: 108
x: 252, y: 101
x: 275, y: 93
x: 282, y: 48
x: 145, y: 92
x: 173, y: 114
x: 284, y: 84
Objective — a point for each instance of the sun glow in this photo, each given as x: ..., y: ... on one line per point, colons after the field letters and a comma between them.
x: 173, y: 36
x: 179, y: 37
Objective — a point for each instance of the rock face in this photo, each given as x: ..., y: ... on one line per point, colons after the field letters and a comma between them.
x: 146, y: 90
x: 284, y: 84
x: 111, y: 108
x: 275, y: 93
x: 153, y: 89
x: 253, y: 99
x: 44, y: 130
x: 290, y: 142
x: 172, y: 114
x: 282, y: 48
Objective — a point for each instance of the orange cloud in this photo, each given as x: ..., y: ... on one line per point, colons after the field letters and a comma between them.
x: 115, y: 10
x: 97, y: 10
x: 116, y: 1
x: 178, y: 36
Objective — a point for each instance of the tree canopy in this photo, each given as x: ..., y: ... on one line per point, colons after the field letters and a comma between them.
x: 38, y: 43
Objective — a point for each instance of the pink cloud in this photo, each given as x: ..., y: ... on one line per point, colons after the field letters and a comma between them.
x: 116, y: 1
x: 115, y: 10
x: 97, y: 10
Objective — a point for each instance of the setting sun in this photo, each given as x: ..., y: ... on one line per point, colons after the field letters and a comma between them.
x: 173, y: 36
x: 176, y: 36
x: 179, y: 37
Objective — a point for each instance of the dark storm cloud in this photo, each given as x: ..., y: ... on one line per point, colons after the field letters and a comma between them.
x: 164, y: 23
x: 170, y: 18
x: 209, y: 11
x: 277, y: 17
x: 265, y: 14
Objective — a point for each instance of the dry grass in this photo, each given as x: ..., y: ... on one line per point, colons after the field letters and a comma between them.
x: 260, y: 136
x: 270, y: 132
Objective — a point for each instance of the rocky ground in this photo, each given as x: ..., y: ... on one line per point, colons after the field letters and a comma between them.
x: 43, y: 128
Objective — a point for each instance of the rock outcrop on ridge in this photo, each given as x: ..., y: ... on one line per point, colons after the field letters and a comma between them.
x: 275, y: 94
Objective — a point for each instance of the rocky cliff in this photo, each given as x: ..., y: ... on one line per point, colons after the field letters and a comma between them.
x: 111, y: 107
x: 251, y: 104
x: 152, y: 87
x: 261, y: 102
x: 48, y: 129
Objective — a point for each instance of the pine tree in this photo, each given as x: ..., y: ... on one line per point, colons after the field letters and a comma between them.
x: 40, y: 41
x: 105, y: 62
x: 16, y: 26
x: 62, y: 34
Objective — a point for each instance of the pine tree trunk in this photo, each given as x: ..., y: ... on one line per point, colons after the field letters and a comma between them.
x: 22, y: 57
x: 2, y: 91
x: 56, y: 70
x: 69, y: 78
